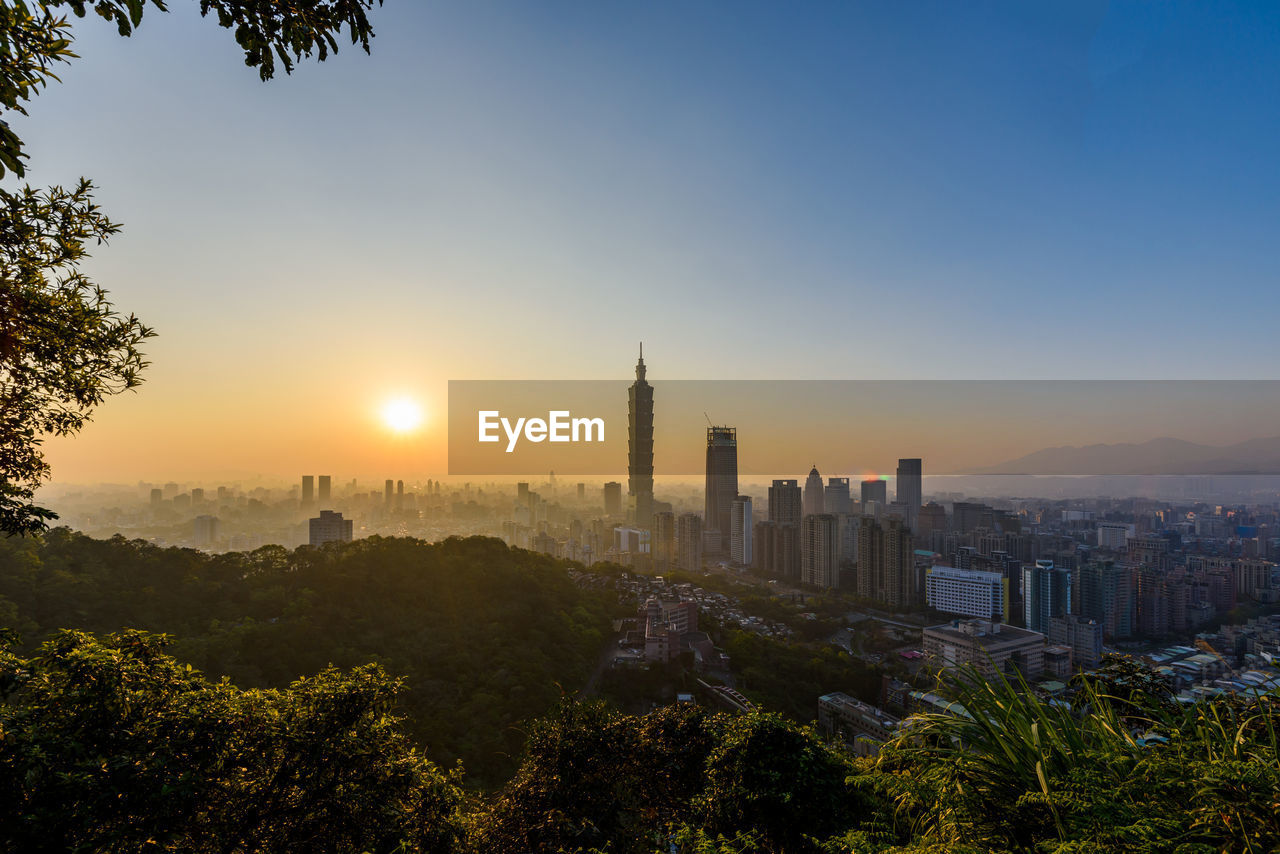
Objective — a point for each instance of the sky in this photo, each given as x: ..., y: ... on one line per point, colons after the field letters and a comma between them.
x: 860, y: 190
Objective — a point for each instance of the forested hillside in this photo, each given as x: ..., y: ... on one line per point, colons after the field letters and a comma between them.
x: 484, y: 636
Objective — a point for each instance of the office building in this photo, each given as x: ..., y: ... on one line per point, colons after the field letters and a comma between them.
x: 308, y: 490
x: 689, y: 542
x: 967, y: 592
x: 387, y: 491
x: 204, y: 531
x: 991, y: 648
x: 874, y: 490
x: 1106, y: 597
x: 399, y: 494
x: 909, y: 487
x: 930, y: 519
x: 721, y: 485
x: 1114, y: 536
x: 613, y: 498
x: 740, y: 531
x: 1046, y: 593
x: 640, y: 446
x: 814, y: 496
x: 820, y: 551
x: 330, y: 527
x: 157, y: 497
x: 785, y: 504
x: 837, y: 499
x: 663, y: 541
x: 324, y: 488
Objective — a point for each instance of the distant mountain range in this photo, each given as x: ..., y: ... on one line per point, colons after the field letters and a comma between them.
x: 1163, y: 456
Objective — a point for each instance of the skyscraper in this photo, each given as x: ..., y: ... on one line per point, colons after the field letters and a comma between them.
x: 613, y: 498
x: 324, y: 488
x: 837, y: 499
x: 785, y: 506
x: 640, y: 445
x: 874, y: 490
x: 1046, y: 593
x: 814, y: 497
x: 721, y: 484
x: 308, y: 489
x: 689, y: 542
x: 662, y: 544
x: 740, y: 543
x: 909, y: 487
x: 819, y: 551
x: 386, y: 492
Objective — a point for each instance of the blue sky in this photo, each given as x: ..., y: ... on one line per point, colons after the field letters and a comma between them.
x: 821, y: 190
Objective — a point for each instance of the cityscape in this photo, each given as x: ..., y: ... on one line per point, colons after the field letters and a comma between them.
x: 1038, y: 587
x: 657, y: 428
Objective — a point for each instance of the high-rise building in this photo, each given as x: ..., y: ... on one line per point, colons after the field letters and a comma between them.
x: 721, y: 484
x: 1106, y: 597
x: 157, y: 497
x: 386, y: 491
x: 330, y: 527
x: 204, y: 530
x: 325, y: 486
x: 837, y: 499
x: 931, y: 517
x: 399, y: 494
x: 874, y: 490
x: 613, y: 498
x: 663, y: 541
x: 1046, y: 593
x: 308, y: 490
x: 689, y: 542
x: 740, y: 544
x: 762, y: 536
x: 910, y: 488
x: 967, y: 592
x: 819, y: 551
x: 785, y: 504
x: 640, y: 445
x: 814, y: 497
x: 886, y: 569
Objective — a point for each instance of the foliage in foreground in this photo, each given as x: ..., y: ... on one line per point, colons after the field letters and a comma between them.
x: 484, y: 636
x: 112, y: 745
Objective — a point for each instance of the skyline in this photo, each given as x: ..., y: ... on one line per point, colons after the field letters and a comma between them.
x: 959, y: 188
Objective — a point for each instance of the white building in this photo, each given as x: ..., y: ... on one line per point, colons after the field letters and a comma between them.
x: 967, y: 592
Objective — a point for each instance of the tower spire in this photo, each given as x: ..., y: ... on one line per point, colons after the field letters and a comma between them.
x: 640, y: 364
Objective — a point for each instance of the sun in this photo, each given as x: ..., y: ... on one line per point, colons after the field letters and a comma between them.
x: 402, y: 414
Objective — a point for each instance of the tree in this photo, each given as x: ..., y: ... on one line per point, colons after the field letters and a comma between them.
x: 63, y: 347
x: 111, y: 745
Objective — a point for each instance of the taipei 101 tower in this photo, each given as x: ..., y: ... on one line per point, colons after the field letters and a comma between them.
x: 640, y: 446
